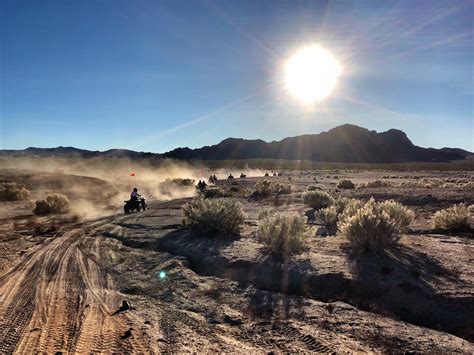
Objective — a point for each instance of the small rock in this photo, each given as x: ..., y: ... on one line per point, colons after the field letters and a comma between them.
x: 127, y: 334
x: 232, y: 321
x: 322, y: 232
x: 213, y: 321
x: 125, y: 306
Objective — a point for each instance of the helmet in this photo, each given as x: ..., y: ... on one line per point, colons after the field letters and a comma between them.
x: 135, y: 189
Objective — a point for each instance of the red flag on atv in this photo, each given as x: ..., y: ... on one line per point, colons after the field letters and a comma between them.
x: 132, y: 174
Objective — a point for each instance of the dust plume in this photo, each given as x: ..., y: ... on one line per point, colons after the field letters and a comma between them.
x: 99, y: 186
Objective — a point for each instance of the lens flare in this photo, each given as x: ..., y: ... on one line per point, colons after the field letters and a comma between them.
x: 311, y: 74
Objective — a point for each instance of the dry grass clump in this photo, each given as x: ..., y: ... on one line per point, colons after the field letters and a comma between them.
x: 13, y: 192
x: 317, y: 199
x: 375, y: 184
x: 283, y: 233
x: 213, y: 217
x: 345, y: 184
x: 53, y: 204
x: 373, y: 226
x: 453, y: 218
x: 267, y: 187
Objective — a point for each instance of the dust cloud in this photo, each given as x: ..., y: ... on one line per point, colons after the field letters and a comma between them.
x: 98, y: 187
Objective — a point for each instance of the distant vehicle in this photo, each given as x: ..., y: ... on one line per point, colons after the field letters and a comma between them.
x: 243, y: 176
x: 134, y: 205
x: 230, y: 177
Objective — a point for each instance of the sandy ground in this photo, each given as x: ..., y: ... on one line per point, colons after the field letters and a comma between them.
x: 62, y: 285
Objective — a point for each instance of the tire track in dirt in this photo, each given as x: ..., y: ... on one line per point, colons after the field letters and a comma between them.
x: 59, y: 299
x: 16, y: 316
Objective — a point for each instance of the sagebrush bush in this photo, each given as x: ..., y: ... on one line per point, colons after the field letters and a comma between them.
x: 345, y: 184
x: 369, y: 229
x: 13, y: 192
x: 53, y: 204
x: 212, y: 192
x: 375, y: 184
x: 330, y: 216
x: 266, y: 187
x: 313, y: 188
x: 317, y: 199
x: 283, y: 233
x: 213, y: 217
x: 401, y: 215
x: 452, y: 218
x: 181, y: 182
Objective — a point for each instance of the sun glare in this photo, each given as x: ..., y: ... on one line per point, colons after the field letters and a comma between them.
x: 311, y: 74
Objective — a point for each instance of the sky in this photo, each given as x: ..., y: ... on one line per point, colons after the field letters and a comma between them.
x: 156, y: 75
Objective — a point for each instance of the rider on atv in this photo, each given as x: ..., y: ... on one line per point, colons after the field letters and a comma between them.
x: 136, y: 202
x: 134, y: 195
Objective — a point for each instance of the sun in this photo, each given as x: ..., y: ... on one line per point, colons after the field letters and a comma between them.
x: 311, y: 73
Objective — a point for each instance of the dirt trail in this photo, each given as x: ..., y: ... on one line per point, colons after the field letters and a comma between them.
x: 60, y: 299
x: 64, y: 293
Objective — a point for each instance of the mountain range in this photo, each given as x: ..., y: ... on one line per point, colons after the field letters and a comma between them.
x: 346, y: 143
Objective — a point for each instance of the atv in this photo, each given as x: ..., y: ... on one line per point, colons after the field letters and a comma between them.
x: 134, y: 205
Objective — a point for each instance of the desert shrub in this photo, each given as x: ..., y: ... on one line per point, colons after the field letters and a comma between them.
x: 281, y: 188
x: 341, y: 208
x: 375, y: 184
x: 429, y: 183
x: 181, y: 182
x: 213, y: 217
x: 53, y: 204
x: 267, y: 187
x: 345, y: 184
x: 283, y: 233
x: 170, y: 187
x: 467, y: 186
x: 452, y: 218
x: 369, y: 229
x: 13, y: 192
x: 470, y: 209
x: 234, y: 189
x: 401, y: 215
x: 212, y: 192
x: 317, y: 199
x: 313, y: 188
x: 329, y: 218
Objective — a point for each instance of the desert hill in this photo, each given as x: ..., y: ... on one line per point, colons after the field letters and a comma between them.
x: 345, y: 143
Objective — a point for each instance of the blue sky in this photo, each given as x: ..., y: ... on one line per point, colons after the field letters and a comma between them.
x: 155, y: 75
